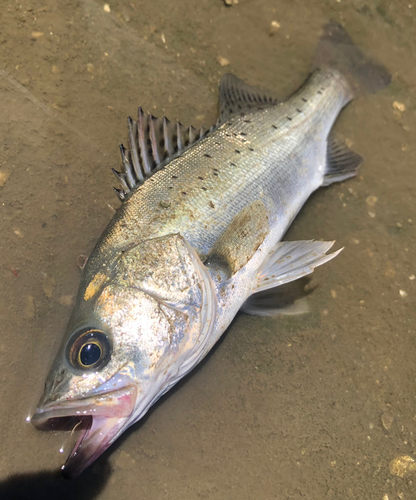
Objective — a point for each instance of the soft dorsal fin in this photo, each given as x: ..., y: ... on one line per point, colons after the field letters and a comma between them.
x: 153, y: 142
x: 236, y: 96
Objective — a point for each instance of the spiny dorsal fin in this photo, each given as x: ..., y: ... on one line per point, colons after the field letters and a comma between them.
x: 236, y: 96
x: 153, y: 142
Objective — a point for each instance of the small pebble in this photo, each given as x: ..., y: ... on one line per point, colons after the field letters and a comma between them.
x: 399, y: 106
x: 387, y: 421
x: 274, y: 28
x: 3, y: 178
x: 36, y: 34
x: 333, y: 294
x: 371, y: 214
x: 402, y: 293
x: 106, y: 7
x: 401, y: 466
x: 223, y: 61
x: 412, y: 277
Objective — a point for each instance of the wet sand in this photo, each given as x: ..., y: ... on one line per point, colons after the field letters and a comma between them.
x: 314, y: 406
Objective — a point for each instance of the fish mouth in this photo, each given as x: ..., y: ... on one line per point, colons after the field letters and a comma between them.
x: 96, y: 422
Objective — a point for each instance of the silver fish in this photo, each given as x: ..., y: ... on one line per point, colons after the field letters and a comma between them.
x: 197, y: 238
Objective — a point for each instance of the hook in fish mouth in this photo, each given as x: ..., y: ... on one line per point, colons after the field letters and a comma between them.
x: 97, y: 419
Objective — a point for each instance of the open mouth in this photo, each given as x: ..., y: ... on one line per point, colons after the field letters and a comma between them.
x: 96, y: 422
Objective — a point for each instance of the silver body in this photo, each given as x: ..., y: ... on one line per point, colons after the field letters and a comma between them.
x: 146, y: 285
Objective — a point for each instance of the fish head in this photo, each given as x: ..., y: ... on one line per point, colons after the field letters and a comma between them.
x: 142, y: 320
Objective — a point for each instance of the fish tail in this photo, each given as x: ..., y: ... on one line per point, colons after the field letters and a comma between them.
x: 336, y: 50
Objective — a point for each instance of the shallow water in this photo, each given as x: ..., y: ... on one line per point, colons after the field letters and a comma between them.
x: 314, y: 406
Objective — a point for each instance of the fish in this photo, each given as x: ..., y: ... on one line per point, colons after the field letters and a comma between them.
x: 197, y: 238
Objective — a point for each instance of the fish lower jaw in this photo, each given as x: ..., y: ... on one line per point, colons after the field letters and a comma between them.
x: 93, y: 422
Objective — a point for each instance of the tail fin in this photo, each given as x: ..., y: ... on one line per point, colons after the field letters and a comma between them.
x: 337, y: 50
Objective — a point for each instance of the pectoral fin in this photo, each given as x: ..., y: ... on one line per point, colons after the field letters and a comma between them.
x: 240, y: 241
x: 290, y: 261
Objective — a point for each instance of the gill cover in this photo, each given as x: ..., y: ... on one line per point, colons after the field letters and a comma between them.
x: 162, y: 295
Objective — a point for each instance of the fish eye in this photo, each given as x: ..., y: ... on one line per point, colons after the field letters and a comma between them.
x: 89, y: 349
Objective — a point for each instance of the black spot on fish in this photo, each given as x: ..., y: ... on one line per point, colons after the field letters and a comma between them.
x: 243, y: 133
x: 237, y: 151
x: 288, y: 117
x: 216, y: 174
x: 173, y: 177
x: 247, y: 121
x: 319, y: 92
x: 304, y: 100
x: 201, y: 178
x: 298, y: 110
x: 232, y: 165
x: 274, y: 126
x: 184, y: 193
x: 204, y: 188
x: 251, y: 149
x: 207, y: 155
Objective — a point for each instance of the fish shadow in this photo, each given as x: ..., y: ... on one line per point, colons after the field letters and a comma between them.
x: 52, y: 486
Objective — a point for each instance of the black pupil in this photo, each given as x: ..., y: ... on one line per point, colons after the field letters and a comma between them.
x: 90, y: 354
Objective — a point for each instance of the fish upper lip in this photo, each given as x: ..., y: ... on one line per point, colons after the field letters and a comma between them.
x: 117, y: 403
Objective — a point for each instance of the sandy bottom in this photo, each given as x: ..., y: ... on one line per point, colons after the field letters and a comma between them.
x: 308, y: 407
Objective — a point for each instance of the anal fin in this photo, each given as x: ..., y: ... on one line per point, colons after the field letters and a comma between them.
x: 341, y: 162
